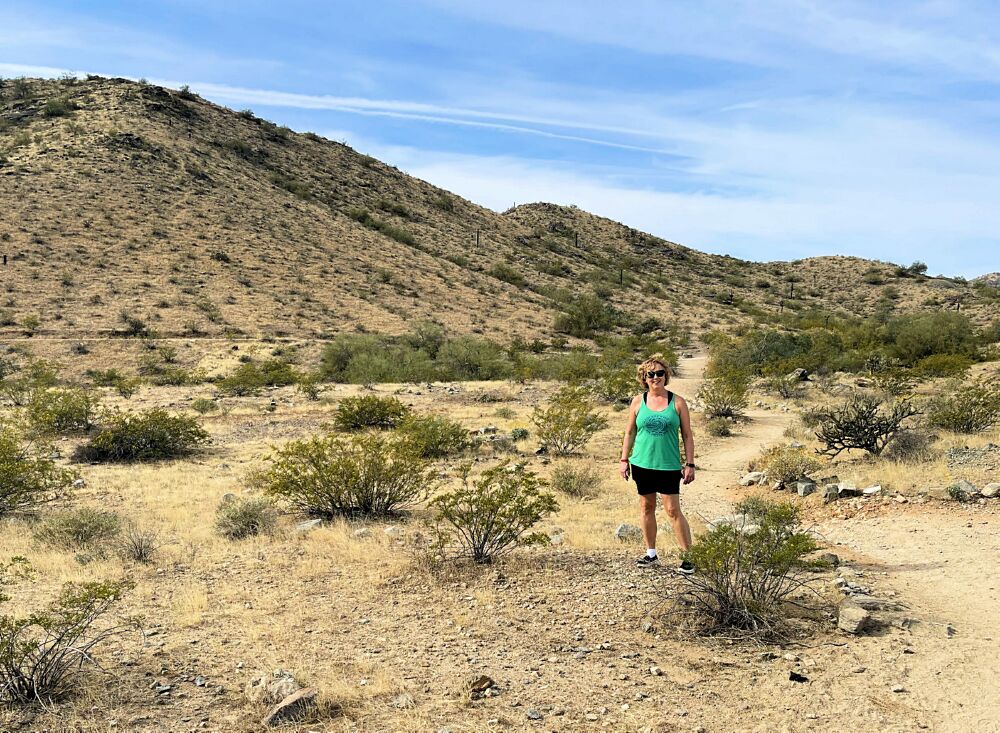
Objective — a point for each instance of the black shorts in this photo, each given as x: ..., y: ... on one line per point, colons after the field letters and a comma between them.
x: 651, y: 481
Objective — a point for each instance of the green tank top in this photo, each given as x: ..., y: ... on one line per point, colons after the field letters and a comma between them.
x: 656, y: 444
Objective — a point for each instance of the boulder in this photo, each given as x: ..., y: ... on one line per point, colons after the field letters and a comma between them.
x: 991, y: 491
x: 628, y: 533
x: 963, y: 487
x: 846, y: 488
x: 297, y: 706
x: 752, y: 478
x: 852, y: 618
x: 805, y: 487
x: 271, y: 689
x: 831, y: 492
x: 309, y: 524
x: 872, y: 490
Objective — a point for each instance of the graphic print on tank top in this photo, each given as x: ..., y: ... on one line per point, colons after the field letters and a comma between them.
x: 655, y: 424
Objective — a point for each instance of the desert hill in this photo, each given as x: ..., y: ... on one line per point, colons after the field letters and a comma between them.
x: 130, y: 207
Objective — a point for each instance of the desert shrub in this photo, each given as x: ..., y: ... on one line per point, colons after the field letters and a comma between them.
x: 568, y: 422
x: 748, y: 571
x: 139, y: 437
x: 433, y: 436
x: 508, y: 274
x: 616, y: 383
x: 62, y: 411
x: 29, y: 480
x: 308, y: 386
x: 959, y: 494
x: 250, y: 377
x: 245, y: 517
x: 19, y: 387
x: 137, y: 544
x: 786, y: 464
x: 519, y: 434
x: 493, y: 514
x: 584, y: 315
x: 914, y: 337
x: 725, y: 396
x: 943, y: 365
x: 204, y: 405
x: 719, y: 427
x: 861, y: 423
x: 370, y: 411
x: 968, y: 409
x: 42, y: 654
x: 579, y: 481
x: 84, y: 528
x: 895, y: 381
x: 105, y: 377
x: 785, y: 387
x: 910, y: 446
x: 470, y: 358
x: 506, y: 413
x: 367, y: 474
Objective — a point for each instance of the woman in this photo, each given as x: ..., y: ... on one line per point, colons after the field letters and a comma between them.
x: 651, y: 455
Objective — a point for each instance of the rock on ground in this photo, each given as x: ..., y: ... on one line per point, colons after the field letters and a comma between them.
x: 852, y: 618
x: 297, y: 706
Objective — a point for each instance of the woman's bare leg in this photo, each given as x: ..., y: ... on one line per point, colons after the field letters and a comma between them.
x: 647, y: 519
x: 672, y: 505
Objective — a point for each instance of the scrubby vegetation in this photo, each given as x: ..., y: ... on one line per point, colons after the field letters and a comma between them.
x: 330, y: 476
x: 748, y: 571
x: 250, y: 377
x: 62, y: 411
x: 862, y: 423
x: 725, y: 396
x: 83, y: 528
x: 492, y: 515
x: 568, y: 422
x: 970, y: 408
x: 579, y: 481
x: 370, y: 411
x: 786, y: 464
x: 245, y: 517
x: 433, y: 436
x: 139, y: 437
x: 29, y: 479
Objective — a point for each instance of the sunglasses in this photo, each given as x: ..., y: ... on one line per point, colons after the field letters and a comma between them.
x: 657, y: 373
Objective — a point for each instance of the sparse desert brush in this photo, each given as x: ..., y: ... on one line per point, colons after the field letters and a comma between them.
x: 910, y: 446
x: 433, y: 436
x: 725, y: 396
x: 29, y: 479
x: 517, y: 434
x: 492, y: 515
x: 82, y: 528
x: 368, y: 474
x: 43, y: 653
x: 719, y: 427
x: 471, y: 358
x: 616, y: 383
x: 580, y: 481
x: 204, y: 405
x: 971, y: 408
x: 370, y: 411
x: 568, y: 422
x: 862, y: 422
x: 943, y: 365
x: 748, y: 571
x: 137, y: 544
x: 61, y: 411
x: 245, y: 517
x: 251, y: 377
x: 786, y: 464
x: 19, y: 387
x: 139, y: 437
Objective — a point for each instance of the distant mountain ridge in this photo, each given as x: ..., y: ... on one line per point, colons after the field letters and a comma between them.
x: 131, y: 205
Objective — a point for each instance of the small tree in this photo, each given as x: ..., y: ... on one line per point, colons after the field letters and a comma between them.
x: 569, y: 421
x: 747, y: 571
x: 861, y: 423
x: 493, y: 515
x: 28, y: 478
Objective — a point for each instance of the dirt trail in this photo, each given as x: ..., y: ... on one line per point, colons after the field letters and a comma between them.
x: 941, y: 560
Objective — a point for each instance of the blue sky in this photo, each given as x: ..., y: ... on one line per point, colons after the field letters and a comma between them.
x: 775, y: 129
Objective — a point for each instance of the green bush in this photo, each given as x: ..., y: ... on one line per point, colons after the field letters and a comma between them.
x: 84, y: 528
x: 370, y: 411
x: 28, y: 478
x: 914, y: 337
x: 249, y: 378
x: 433, y: 436
x: 719, y: 427
x: 368, y: 474
x: 568, y: 422
x: 20, y: 386
x: 508, y: 274
x: 861, y: 423
x: 517, y: 434
x: 204, y: 405
x: 582, y: 481
x: 616, y: 383
x: 139, y: 437
x: 470, y: 358
x: 910, y: 446
x: 62, y: 411
x: 725, y: 396
x: 748, y: 571
x: 942, y: 365
x: 968, y: 409
x: 245, y: 517
x: 493, y: 515
x: 43, y: 653
x: 585, y: 315
x: 786, y: 464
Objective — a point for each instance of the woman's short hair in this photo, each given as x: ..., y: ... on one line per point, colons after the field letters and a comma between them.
x: 648, y: 365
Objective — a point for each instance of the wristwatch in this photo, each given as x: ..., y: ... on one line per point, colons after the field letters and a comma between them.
x: 688, y: 465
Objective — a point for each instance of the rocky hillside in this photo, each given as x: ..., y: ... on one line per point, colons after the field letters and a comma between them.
x: 131, y: 207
